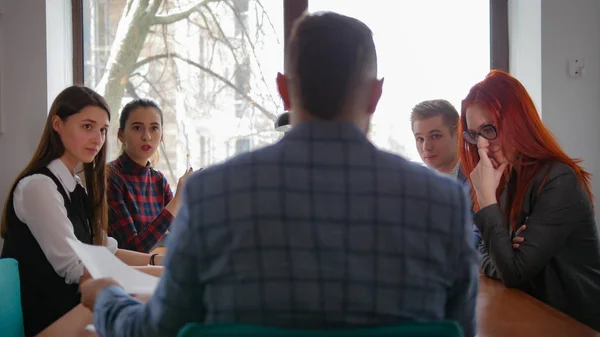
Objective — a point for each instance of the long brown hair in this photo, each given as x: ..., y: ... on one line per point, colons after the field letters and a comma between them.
x: 69, y: 102
x: 520, y: 127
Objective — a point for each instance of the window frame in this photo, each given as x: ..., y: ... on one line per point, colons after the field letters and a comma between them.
x: 293, y: 9
x: 77, y: 26
x: 499, y: 39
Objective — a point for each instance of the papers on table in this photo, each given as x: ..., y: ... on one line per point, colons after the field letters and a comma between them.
x: 100, y: 262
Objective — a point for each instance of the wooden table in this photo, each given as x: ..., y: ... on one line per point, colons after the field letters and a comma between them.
x: 512, y: 313
x: 501, y: 312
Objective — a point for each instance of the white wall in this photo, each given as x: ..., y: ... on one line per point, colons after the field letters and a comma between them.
x: 23, y: 98
x: 525, y: 36
x: 570, y: 106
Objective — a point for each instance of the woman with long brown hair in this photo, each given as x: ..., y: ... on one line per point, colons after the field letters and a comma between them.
x: 48, y: 203
x: 520, y: 175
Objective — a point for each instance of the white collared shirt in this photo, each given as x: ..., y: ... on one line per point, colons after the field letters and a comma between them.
x: 41, y: 207
x: 454, y: 172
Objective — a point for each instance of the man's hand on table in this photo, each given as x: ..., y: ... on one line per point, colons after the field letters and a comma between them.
x: 91, y: 288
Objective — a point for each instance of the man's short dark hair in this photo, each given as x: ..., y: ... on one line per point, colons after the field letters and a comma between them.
x: 434, y: 108
x: 327, y: 56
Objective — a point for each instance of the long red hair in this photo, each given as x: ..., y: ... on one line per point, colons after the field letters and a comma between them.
x: 520, y: 128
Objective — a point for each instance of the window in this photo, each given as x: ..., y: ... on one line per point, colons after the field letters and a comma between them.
x: 211, y: 67
x: 205, y: 150
x: 427, y: 49
x: 242, y: 82
x: 242, y: 145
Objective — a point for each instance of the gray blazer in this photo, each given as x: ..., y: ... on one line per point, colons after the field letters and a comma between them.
x: 320, y: 230
x: 559, y: 261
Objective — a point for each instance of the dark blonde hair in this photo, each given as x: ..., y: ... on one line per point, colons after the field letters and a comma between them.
x: 70, y: 102
x: 434, y: 108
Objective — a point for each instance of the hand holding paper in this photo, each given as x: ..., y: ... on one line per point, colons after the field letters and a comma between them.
x: 100, y: 263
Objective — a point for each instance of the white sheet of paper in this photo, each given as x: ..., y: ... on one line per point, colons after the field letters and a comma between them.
x: 100, y: 262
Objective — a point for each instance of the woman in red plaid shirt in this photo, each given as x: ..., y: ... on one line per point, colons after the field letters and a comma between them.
x: 140, y: 200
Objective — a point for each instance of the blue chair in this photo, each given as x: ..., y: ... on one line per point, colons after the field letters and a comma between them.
x: 11, y: 314
x: 429, y: 329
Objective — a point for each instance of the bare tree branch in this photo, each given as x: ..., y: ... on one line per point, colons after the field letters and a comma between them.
x: 222, y: 33
x: 182, y: 14
x: 264, y: 12
x: 213, y: 50
x: 199, y: 25
x: 210, y: 32
x: 252, y: 48
x: 128, y: 6
x: 168, y: 52
x: 225, y: 81
x: 156, y: 5
x: 131, y: 89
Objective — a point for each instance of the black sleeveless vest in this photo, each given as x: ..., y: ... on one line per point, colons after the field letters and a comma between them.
x: 45, y: 296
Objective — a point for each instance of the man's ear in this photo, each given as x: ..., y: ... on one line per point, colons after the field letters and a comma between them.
x: 376, y: 91
x: 454, y: 131
x: 282, y: 86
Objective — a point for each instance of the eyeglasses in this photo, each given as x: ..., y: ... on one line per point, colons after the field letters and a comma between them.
x: 488, y: 132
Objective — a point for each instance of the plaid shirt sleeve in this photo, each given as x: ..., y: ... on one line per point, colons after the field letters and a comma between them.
x: 122, y: 226
x: 178, y: 298
x: 168, y: 191
x: 462, y: 296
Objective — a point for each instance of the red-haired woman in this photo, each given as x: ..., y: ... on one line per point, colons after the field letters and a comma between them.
x: 520, y: 175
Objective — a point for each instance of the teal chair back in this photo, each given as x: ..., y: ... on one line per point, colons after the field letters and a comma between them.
x: 11, y: 314
x: 429, y: 329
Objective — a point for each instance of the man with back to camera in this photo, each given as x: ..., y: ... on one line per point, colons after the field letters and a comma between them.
x: 320, y: 230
